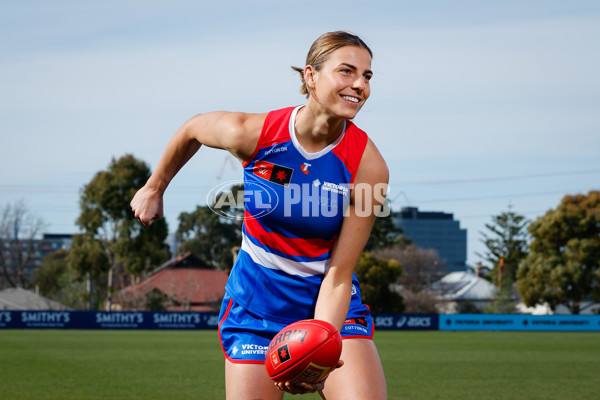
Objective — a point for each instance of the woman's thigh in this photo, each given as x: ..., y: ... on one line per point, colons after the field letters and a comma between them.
x: 361, y: 377
x: 249, y: 381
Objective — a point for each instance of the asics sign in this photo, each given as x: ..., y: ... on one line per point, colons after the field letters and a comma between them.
x: 407, y: 321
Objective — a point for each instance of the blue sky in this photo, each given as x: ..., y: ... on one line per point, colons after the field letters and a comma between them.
x: 475, y: 105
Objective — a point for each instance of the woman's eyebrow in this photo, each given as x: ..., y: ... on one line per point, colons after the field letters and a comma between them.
x: 355, y: 69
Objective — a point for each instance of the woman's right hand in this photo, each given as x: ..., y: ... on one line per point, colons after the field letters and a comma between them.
x: 303, y: 387
x: 147, y: 205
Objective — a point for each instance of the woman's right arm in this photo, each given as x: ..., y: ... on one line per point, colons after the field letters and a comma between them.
x: 235, y: 132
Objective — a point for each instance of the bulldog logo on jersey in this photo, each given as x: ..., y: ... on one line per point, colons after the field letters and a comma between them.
x: 273, y: 173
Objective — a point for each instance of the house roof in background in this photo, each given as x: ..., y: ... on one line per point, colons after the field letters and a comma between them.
x: 185, y: 279
x: 21, y: 299
x: 464, y: 285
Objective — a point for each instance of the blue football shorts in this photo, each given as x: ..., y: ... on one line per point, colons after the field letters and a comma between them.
x: 245, y: 336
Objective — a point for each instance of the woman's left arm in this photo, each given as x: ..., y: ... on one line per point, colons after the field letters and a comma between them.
x: 367, y: 198
x: 370, y: 188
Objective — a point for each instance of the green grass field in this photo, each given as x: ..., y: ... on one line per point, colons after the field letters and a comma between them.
x: 57, y: 364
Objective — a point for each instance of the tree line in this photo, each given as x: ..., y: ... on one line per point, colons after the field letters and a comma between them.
x: 553, y: 260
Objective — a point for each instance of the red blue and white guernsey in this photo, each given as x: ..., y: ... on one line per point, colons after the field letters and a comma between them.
x: 292, y: 220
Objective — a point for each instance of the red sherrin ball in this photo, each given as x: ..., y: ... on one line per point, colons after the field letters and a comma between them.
x: 305, y: 351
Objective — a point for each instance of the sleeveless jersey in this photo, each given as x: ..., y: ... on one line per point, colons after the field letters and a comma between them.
x: 294, y: 207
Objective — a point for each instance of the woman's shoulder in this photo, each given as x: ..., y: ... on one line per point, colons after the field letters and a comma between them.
x: 246, y: 130
x: 373, y: 168
x: 236, y: 132
x: 256, y: 121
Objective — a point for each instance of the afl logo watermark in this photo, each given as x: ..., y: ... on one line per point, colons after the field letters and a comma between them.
x: 228, y: 199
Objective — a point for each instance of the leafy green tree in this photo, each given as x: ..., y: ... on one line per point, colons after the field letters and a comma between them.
x: 48, y: 277
x: 506, y: 246
x: 107, y: 221
x: 375, y: 276
x: 155, y: 301
x: 504, y: 302
x: 563, y: 266
x: 385, y: 234
x: 213, y: 233
x: 209, y: 236
x: 89, y: 262
x: 58, y: 282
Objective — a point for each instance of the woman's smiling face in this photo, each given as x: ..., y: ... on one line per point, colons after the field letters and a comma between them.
x: 341, y: 86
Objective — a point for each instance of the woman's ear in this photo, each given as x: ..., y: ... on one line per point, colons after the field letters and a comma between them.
x: 310, y: 77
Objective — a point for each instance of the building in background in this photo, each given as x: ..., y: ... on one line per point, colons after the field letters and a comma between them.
x: 24, y: 256
x: 435, y: 230
x: 54, y: 241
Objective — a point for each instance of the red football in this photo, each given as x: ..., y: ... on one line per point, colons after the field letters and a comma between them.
x: 305, y: 351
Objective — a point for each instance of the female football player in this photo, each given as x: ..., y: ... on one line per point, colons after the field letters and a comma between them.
x: 296, y: 261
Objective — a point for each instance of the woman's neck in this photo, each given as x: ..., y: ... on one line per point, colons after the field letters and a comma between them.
x: 316, y: 129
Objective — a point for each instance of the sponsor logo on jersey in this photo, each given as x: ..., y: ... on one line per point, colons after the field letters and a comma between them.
x: 273, y: 173
x: 304, y: 168
x: 335, y: 188
x: 253, y: 349
x: 275, y: 150
x: 356, y: 321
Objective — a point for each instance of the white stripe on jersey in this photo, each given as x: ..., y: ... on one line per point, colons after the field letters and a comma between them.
x: 273, y: 261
